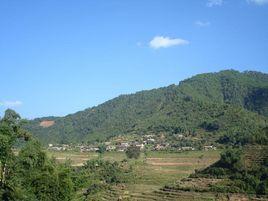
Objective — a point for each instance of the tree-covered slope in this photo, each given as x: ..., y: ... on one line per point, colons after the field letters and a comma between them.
x: 227, y: 103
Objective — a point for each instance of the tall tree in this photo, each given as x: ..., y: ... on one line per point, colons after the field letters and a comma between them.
x: 10, y: 131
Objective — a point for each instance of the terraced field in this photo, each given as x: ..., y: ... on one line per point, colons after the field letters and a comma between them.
x: 160, y: 175
x: 157, y: 195
x: 171, y: 194
x: 255, y: 155
x: 153, y: 171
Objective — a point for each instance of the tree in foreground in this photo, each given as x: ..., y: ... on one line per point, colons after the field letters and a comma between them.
x: 30, y: 175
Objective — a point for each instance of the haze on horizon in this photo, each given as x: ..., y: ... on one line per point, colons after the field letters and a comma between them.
x: 60, y: 57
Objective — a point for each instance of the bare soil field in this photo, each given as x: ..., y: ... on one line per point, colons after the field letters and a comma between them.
x: 47, y: 123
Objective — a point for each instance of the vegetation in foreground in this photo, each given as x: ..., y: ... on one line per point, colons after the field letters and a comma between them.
x: 31, y: 175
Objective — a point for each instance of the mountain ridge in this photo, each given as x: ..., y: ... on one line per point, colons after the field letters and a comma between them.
x: 182, y: 108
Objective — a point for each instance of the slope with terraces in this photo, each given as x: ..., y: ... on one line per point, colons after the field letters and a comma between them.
x: 174, y: 193
x: 255, y: 155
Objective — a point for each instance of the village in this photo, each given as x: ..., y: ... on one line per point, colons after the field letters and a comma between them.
x: 121, y: 144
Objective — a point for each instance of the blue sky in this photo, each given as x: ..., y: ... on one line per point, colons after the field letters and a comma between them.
x: 61, y: 56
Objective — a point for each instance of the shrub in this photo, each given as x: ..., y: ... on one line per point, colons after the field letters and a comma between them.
x: 133, y: 152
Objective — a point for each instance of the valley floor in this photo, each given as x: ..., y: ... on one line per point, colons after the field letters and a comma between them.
x: 153, y: 169
x: 155, y: 172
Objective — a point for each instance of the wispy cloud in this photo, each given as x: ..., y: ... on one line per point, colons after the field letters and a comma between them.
x: 202, y: 23
x: 10, y: 103
x: 258, y: 2
x: 211, y: 3
x: 164, y: 42
x: 139, y: 44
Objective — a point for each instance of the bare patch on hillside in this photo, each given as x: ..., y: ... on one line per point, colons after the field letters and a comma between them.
x: 46, y: 123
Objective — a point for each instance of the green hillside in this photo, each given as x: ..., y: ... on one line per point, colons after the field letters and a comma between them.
x: 215, y: 106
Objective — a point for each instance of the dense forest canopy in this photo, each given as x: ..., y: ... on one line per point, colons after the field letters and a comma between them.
x: 227, y: 103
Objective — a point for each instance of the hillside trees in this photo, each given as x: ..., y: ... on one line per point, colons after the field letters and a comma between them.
x: 225, y: 103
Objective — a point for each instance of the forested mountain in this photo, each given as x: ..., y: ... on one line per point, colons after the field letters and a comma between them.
x: 216, y: 106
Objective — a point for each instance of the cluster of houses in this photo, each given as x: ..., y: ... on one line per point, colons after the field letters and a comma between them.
x: 147, y: 141
x: 210, y: 147
x: 62, y: 147
x: 94, y: 148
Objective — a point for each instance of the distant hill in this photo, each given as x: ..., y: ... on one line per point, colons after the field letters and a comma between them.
x: 207, y: 106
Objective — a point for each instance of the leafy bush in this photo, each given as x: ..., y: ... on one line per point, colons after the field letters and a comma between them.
x: 97, y: 175
x: 106, y: 171
x: 133, y: 152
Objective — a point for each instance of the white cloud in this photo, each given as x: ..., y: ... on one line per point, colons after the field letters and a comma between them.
x: 202, y: 23
x: 161, y: 41
x: 211, y: 3
x: 258, y: 2
x: 10, y: 103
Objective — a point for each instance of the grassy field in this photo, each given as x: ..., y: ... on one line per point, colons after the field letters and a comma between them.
x: 153, y: 170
